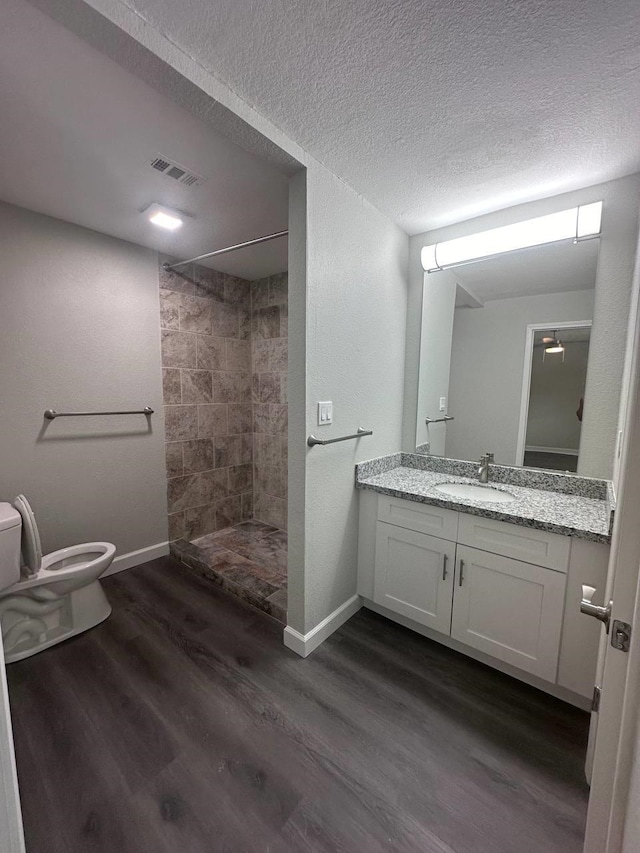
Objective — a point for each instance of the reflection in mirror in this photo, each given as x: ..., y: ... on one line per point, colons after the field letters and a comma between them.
x: 555, y: 378
x: 481, y: 358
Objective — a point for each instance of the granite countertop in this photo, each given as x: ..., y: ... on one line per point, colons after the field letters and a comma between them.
x: 585, y: 517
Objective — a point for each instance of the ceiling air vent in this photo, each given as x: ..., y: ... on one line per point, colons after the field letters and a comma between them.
x: 171, y: 169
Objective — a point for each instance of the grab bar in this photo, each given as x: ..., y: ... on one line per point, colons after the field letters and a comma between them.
x: 51, y: 414
x: 438, y: 420
x: 312, y: 440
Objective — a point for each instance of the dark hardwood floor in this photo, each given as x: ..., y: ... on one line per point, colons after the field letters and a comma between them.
x: 182, y: 724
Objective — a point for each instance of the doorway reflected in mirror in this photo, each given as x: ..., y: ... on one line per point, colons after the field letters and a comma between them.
x: 555, y: 375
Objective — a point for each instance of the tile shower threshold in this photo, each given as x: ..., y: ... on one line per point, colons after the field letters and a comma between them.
x: 248, y: 560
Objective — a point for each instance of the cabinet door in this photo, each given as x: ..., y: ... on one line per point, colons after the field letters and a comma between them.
x: 414, y: 575
x: 509, y: 609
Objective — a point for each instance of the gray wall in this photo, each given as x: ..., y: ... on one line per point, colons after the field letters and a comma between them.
x: 79, y: 331
x: 356, y: 316
x: 618, y: 242
x: 556, y: 389
x: 487, y: 364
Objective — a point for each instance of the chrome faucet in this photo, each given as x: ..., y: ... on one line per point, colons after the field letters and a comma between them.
x: 483, y: 467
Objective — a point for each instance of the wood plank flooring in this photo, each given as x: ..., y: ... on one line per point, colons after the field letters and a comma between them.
x: 182, y: 724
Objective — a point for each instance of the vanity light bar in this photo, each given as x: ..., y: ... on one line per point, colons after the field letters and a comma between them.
x: 577, y: 223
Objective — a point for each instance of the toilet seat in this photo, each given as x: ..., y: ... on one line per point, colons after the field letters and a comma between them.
x: 31, y: 545
x: 86, y: 561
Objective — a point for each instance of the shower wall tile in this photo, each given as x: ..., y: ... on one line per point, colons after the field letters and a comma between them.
x: 197, y: 455
x: 180, y: 280
x: 224, y: 358
x: 214, y: 485
x: 178, y: 349
x: 171, y: 385
x: 266, y: 322
x: 226, y: 451
x: 198, y: 521
x: 169, y: 309
x: 237, y: 291
x: 180, y: 422
x: 195, y: 315
x: 225, y: 321
x: 228, y: 512
x: 209, y: 283
x: 211, y: 352
x: 269, y: 349
x: 231, y: 387
x: 269, y: 388
x: 173, y: 454
x: 279, y: 289
x: 244, y: 325
x: 213, y: 420
x: 247, y: 506
x: 239, y: 355
x: 260, y: 354
x: 196, y: 386
x: 240, y: 418
x: 240, y: 479
x: 176, y: 526
x: 183, y: 492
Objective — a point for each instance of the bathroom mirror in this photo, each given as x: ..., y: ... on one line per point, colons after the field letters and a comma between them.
x: 504, y: 356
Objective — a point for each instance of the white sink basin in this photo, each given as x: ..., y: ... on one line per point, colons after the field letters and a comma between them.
x: 476, y: 493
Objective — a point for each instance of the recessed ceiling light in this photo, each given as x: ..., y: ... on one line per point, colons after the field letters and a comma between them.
x: 164, y: 217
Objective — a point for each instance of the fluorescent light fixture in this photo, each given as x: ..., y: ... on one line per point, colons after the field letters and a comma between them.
x: 164, y: 217
x: 578, y: 223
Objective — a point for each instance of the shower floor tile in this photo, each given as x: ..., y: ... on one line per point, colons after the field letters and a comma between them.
x: 248, y: 559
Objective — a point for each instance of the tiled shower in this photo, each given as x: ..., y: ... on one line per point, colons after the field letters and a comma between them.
x: 224, y: 357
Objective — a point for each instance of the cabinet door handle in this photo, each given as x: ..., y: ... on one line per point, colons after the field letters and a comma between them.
x: 444, y: 567
x: 461, y: 577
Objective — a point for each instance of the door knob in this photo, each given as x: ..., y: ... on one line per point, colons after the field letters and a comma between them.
x: 595, y: 610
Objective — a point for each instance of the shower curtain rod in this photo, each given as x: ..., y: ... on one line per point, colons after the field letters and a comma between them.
x: 228, y: 249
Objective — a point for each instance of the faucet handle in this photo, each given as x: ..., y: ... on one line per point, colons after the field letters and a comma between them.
x: 489, y: 457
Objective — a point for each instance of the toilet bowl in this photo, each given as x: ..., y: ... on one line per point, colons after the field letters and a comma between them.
x: 58, y: 594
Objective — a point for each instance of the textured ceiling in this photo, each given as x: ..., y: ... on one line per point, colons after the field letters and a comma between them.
x: 435, y: 111
x: 78, y: 135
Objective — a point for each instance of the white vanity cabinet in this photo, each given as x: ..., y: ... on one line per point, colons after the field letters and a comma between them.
x: 504, y: 593
x: 509, y: 609
x: 414, y: 575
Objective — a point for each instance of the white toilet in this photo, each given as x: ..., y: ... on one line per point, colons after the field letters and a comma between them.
x: 44, y: 600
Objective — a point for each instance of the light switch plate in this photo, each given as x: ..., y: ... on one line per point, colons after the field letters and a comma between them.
x: 325, y: 413
x: 443, y: 404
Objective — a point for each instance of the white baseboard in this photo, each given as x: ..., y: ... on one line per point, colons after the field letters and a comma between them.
x: 566, y: 451
x: 304, y: 644
x: 135, y: 558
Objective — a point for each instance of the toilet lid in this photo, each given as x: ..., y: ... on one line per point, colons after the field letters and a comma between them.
x: 31, y: 547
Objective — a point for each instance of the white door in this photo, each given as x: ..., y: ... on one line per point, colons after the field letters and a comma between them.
x: 414, y: 575
x: 509, y: 609
x: 613, y: 824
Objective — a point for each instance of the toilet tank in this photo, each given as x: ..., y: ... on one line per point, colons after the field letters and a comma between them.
x: 10, y: 532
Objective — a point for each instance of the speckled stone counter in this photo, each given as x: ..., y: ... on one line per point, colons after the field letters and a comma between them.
x: 561, y: 503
